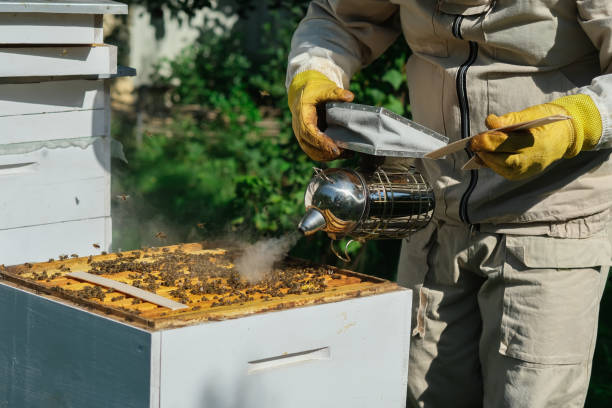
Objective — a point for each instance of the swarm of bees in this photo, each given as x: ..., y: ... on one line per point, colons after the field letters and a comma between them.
x: 192, y: 278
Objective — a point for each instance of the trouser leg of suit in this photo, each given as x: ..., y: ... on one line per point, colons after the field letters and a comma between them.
x: 489, y: 329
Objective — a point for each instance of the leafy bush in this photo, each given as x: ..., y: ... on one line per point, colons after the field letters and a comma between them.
x: 221, y: 167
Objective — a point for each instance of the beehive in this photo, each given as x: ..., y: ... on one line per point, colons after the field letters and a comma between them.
x: 55, y: 116
x: 236, y: 344
x: 201, y: 276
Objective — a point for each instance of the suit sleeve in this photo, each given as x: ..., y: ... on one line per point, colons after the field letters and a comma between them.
x: 338, y: 37
x: 595, y: 17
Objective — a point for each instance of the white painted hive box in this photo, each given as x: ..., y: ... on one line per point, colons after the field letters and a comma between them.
x: 344, y: 347
x: 55, y: 143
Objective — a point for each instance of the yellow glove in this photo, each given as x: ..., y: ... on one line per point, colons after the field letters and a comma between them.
x: 522, y: 154
x: 307, y: 90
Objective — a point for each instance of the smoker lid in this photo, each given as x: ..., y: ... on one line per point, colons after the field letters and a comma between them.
x: 378, y: 131
x: 63, y: 6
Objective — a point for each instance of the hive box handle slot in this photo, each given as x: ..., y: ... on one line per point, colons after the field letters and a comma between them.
x: 288, y: 359
x: 18, y: 168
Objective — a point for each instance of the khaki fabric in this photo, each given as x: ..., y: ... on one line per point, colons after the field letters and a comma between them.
x: 502, y: 320
x: 505, y: 310
x: 525, y: 52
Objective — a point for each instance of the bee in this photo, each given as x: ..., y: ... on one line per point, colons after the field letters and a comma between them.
x: 201, y: 225
x: 161, y: 235
x: 123, y: 197
x: 264, y: 93
x: 97, y: 246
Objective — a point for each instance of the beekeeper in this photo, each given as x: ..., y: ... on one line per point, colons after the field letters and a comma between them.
x: 508, y: 276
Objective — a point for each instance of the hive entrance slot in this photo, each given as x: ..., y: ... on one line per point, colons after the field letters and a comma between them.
x: 288, y: 359
x: 18, y: 168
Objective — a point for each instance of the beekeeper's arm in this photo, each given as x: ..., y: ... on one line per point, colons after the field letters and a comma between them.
x: 590, y: 127
x: 333, y: 41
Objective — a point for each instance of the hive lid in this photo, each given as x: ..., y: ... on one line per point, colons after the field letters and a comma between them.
x: 199, y: 275
x: 63, y: 6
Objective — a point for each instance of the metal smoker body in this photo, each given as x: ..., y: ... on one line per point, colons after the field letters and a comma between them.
x: 362, y: 205
x: 378, y: 202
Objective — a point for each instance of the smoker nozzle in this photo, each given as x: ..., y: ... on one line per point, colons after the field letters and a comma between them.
x: 312, y: 222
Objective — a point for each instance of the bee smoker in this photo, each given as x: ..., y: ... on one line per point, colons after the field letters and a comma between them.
x: 362, y: 205
x: 374, y: 201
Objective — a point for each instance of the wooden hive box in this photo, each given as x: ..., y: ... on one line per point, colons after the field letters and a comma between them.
x: 55, y: 117
x: 305, y: 336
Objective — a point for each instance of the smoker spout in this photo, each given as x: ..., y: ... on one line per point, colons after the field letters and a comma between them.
x: 311, y: 222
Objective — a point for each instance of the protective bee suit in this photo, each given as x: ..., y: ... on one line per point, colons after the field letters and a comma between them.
x: 508, y: 276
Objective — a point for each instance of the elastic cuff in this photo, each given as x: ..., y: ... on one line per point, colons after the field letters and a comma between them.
x: 586, y: 119
x: 605, y: 141
x: 305, y: 62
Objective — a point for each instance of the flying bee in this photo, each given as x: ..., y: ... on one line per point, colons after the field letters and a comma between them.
x: 201, y: 225
x: 264, y: 93
x: 123, y: 197
x: 97, y: 246
x: 161, y: 235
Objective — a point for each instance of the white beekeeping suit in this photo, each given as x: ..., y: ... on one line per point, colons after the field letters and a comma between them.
x: 509, y: 274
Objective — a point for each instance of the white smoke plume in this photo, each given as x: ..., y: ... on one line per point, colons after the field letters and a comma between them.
x: 258, y: 259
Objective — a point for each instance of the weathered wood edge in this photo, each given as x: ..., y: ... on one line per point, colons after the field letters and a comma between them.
x: 218, y: 314
x: 91, y: 306
x: 278, y: 305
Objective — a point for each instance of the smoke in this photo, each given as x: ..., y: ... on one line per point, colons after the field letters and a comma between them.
x: 258, y: 259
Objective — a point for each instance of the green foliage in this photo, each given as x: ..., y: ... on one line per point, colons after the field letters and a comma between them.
x: 221, y: 167
x: 383, y: 83
x: 185, y: 10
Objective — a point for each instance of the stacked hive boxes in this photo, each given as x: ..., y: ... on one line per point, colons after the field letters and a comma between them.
x: 54, y: 128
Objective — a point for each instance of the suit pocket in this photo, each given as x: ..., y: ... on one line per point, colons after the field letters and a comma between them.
x: 552, y: 290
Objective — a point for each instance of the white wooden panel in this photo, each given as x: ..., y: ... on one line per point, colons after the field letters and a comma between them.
x: 46, y: 28
x: 56, y: 202
x: 53, y: 185
x: 54, y: 355
x: 367, y: 340
x: 41, y: 242
x: 53, y: 126
x: 155, y: 374
x: 57, y: 61
x: 62, y: 164
x: 52, y: 96
x: 64, y: 6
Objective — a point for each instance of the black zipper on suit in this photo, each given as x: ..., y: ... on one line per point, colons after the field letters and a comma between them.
x: 464, y: 109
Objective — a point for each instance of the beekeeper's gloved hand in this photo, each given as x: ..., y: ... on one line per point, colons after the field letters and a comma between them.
x: 307, y: 90
x: 528, y: 152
